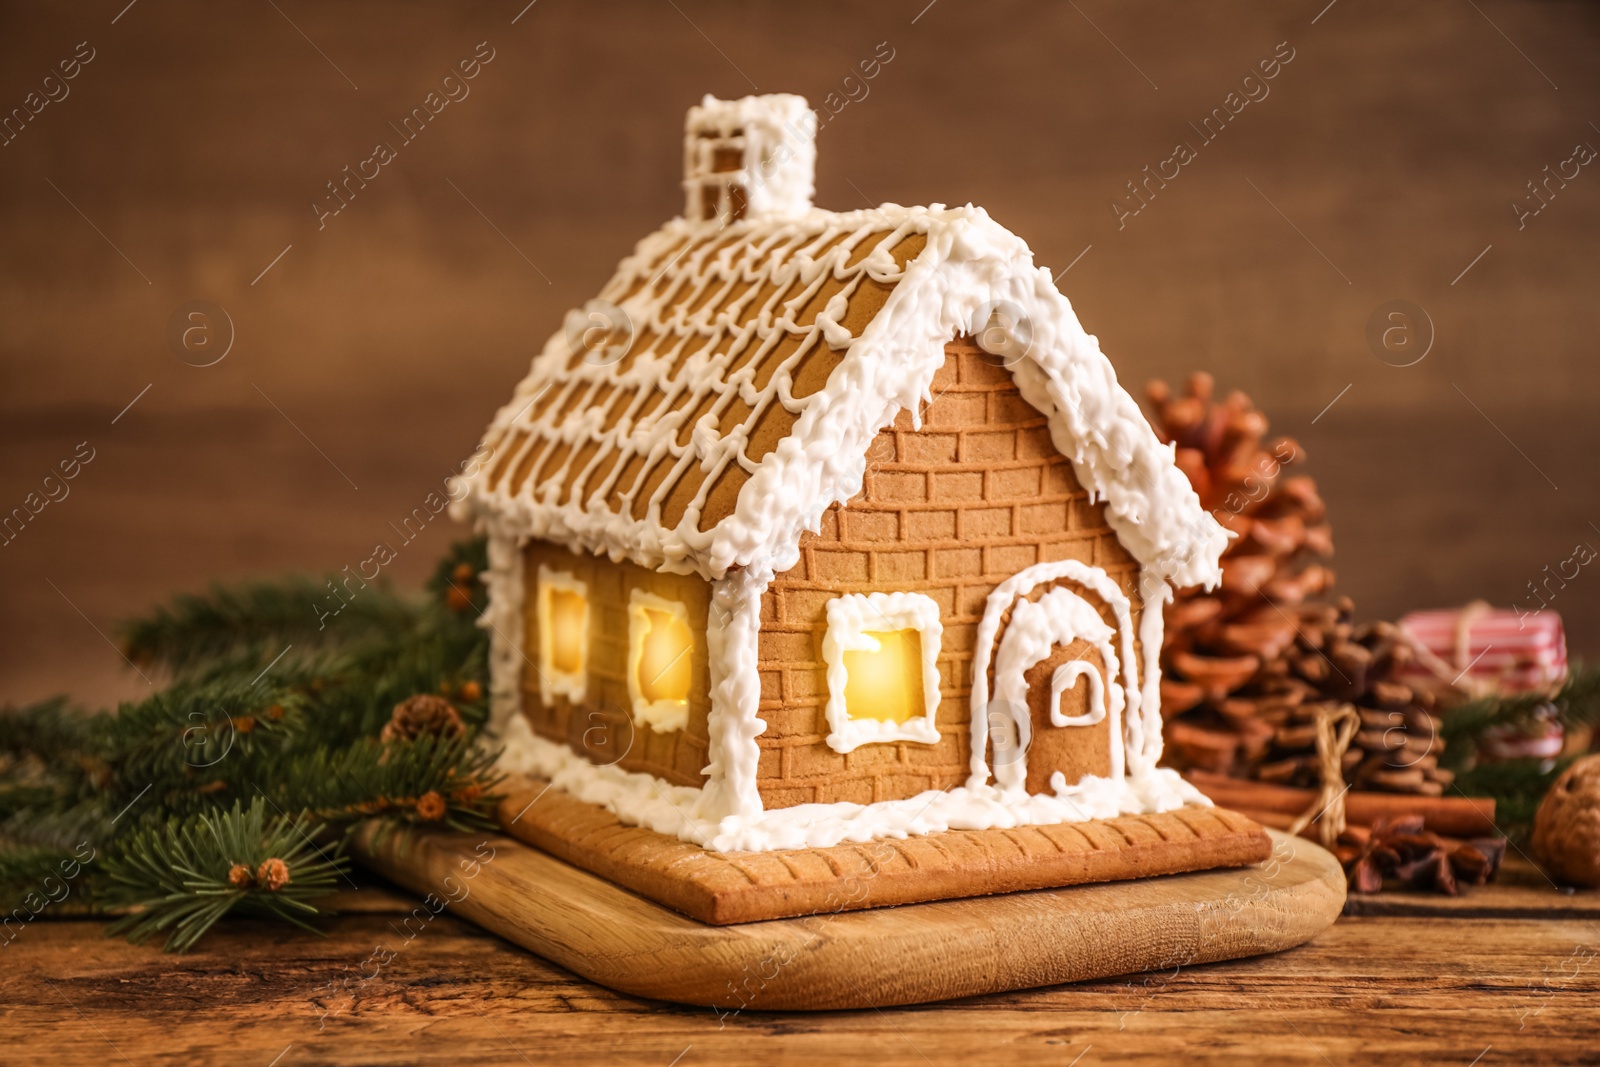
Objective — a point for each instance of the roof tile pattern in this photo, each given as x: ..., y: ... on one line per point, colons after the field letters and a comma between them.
x: 722, y: 391
x: 730, y: 333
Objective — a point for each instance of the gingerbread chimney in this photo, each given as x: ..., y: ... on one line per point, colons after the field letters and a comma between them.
x: 749, y: 158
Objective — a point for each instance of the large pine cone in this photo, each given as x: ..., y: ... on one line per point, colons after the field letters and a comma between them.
x: 1335, y: 662
x: 1217, y: 641
x: 1246, y: 666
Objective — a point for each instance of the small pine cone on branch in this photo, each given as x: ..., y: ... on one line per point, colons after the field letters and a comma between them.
x: 423, y: 714
x: 273, y: 875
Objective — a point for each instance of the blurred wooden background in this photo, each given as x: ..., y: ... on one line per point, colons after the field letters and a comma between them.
x: 184, y: 157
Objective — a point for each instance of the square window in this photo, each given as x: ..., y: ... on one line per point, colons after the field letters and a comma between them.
x: 885, y: 682
x: 882, y: 651
x: 660, y: 661
x: 563, y: 620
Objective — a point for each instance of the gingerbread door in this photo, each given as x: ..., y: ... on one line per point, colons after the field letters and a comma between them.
x: 1056, y: 674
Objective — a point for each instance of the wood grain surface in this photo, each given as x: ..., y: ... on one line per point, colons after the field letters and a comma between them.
x: 1369, y: 990
x: 1520, y: 891
x: 748, y: 886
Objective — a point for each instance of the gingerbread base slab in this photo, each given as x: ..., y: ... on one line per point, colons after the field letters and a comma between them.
x: 738, y: 887
x: 876, y: 958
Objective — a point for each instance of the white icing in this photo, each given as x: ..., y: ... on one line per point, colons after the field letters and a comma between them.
x: 969, y: 264
x: 733, y: 630
x: 850, y: 618
x: 1156, y: 595
x: 503, y: 619
x: 574, y: 684
x: 643, y: 800
x: 775, y: 136
x: 727, y: 814
x: 662, y: 716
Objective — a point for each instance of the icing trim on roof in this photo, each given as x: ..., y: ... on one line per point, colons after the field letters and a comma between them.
x: 969, y: 265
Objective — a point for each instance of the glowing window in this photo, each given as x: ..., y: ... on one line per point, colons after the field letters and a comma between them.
x: 882, y: 652
x: 563, y: 621
x: 660, y: 661
x: 885, y: 682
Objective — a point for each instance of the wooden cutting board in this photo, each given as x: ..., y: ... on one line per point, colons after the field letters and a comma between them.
x: 902, y: 955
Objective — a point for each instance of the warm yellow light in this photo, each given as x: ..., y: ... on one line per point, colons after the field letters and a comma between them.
x: 886, y: 684
x: 568, y: 623
x: 664, y: 657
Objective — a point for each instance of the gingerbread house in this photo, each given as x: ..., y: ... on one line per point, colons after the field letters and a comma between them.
x: 822, y: 526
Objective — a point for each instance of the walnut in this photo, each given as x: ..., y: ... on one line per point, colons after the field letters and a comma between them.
x: 1566, y: 831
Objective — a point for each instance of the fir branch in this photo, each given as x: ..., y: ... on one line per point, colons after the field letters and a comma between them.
x: 57, y: 827
x: 440, y: 781
x: 25, y: 799
x: 1518, y: 787
x: 50, y: 729
x: 1576, y: 704
x: 47, y: 745
x: 456, y: 581
x: 356, y: 699
x: 252, y: 743
x: 258, y: 619
x: 184, y: 875
x: 175, y: 741
x: 29, y: 869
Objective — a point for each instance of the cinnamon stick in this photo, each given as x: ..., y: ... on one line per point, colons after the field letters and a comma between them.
x: 1466, y: 817
x: 1275, y: 820
x: 1354, y: 832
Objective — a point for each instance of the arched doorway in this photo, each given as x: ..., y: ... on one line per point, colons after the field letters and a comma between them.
x: 1057, y: 673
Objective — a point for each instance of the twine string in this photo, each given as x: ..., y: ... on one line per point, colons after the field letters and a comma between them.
x: 1336, y: 728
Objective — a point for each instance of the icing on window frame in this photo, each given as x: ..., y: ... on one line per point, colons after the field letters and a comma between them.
x: 553, y: 682
x: 662, y: 716
x: 850, y: 618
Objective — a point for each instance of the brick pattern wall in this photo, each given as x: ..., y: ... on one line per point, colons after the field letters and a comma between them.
x: 602, y: 729
x: 950, y: 511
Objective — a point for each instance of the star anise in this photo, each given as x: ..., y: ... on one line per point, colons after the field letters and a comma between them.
x: 1401, y: 850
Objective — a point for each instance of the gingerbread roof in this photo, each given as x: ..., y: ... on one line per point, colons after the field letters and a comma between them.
x: 724, y: 388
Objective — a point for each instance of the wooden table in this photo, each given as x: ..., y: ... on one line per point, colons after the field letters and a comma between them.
x: 1505, y: 974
